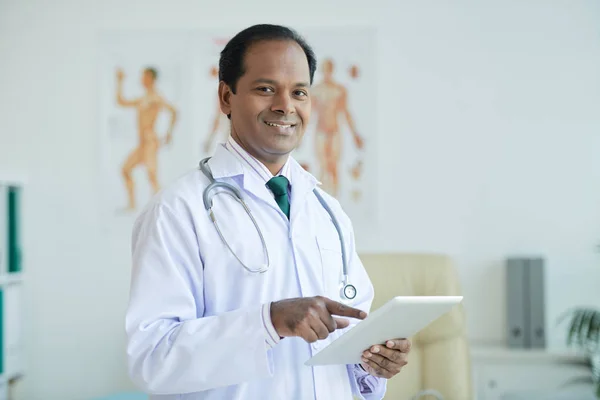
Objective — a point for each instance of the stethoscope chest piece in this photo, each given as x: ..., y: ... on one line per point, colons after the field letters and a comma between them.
x: 347, y: 292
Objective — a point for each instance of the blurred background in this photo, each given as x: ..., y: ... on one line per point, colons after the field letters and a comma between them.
x: 481, y: 130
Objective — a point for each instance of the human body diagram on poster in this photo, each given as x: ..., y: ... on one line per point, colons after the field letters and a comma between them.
x: 330, y: 109
x: 147, y: 109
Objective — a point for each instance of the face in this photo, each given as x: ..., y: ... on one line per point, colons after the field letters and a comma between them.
x: 271, y: 107
x: 147, y: 79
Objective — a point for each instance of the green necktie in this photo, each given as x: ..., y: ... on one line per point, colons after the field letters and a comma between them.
x: 279, y: 187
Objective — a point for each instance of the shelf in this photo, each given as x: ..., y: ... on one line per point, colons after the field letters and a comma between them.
x: 501, y: 353
x: 11, y: 178
x: 9, y: 279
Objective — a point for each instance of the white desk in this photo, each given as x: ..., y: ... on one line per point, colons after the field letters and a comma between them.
x: 501, y: 373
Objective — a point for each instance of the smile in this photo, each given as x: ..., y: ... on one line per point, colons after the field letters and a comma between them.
x: 280, y: 125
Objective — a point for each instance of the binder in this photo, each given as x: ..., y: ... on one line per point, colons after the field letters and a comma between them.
x: 516, y: 303
x: 537, y: 323
x: 14, y: 225
x: 3, y: 230
x: 525, y: 303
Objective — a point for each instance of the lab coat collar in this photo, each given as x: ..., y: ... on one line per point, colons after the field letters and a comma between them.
x: 223, y: 165
x: 304, y: 184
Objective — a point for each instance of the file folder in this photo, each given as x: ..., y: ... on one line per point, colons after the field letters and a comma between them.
x: 516, y: 305
x: 14, y: 225
x: 537, y: 321
x: 3, y: 230
x: 525, y: 303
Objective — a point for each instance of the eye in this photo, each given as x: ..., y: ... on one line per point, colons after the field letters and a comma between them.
x: 265, y: 89
x: 300, y: 93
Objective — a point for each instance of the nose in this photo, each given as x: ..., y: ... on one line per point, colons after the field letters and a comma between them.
x: 283, y: 104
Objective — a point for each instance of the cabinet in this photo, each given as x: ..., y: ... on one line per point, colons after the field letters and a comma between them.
x: 501, y: 373
x: 11, y: 286
x: 3, y: 389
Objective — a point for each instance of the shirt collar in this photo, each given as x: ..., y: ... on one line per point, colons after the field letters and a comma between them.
x: 256, y: 166
x: 228, y: 165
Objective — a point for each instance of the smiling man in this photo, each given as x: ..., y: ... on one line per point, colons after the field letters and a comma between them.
x: 234, y: 312
x: 269, y: 91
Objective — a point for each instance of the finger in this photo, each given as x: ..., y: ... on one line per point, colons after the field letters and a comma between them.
x: 393, y: 355
x: 319, y: 328
x: 404, y: 345
x: 327, y: 320
x: 380, y: 361
x: 368, y: 368
x: 378, y: 371
x: 309, y: 335
x: 384, y: 363
x: 343, y: 310
x: 341, y: 323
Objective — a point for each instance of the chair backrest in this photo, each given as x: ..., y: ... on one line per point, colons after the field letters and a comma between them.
x: 409, y: 274
x: 440, y: 343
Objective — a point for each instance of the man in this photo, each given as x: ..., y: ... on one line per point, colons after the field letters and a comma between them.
x: 148, y: 107
x: 330, y: 99
x: 202, y: 323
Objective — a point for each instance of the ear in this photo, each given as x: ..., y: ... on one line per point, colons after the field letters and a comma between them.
x: 225, y: 94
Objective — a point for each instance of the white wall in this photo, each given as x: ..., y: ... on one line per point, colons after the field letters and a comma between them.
x: 490, y: 142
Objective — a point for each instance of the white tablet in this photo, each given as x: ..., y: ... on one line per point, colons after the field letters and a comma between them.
x: 401, y: 317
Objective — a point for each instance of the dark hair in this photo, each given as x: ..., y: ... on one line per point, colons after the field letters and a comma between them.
x: 152, y: 71
x: 231, y: 63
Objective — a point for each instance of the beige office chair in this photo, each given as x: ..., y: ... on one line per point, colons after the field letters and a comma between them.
x: 439, y: 365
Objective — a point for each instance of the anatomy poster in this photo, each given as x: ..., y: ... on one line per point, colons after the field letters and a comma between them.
x: 211, y: 126
x: 160, y: 113
x: 144, y: 88
x: 339, y: 144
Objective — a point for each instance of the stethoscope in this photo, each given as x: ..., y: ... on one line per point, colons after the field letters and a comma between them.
x: 347, y: 290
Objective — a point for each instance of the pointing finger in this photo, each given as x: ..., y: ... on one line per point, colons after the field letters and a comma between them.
x: 336, y: 308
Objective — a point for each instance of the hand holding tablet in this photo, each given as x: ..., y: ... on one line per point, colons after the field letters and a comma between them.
x: 401, y: 317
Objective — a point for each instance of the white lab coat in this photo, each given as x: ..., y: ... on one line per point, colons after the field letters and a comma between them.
x: 194, y: 322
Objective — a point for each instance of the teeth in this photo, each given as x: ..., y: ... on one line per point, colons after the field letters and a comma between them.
x: 277, y: 125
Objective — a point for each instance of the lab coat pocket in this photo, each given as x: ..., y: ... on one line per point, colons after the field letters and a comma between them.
x: 331, y: 263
